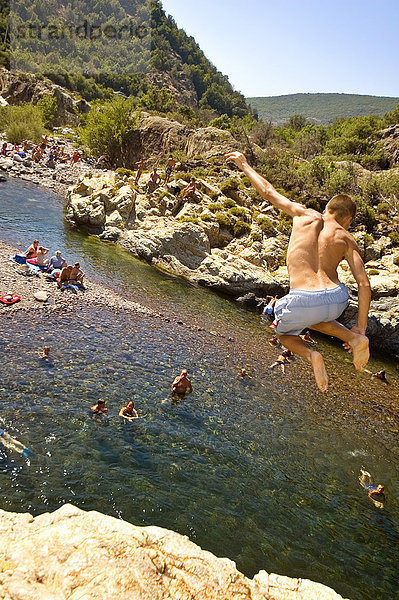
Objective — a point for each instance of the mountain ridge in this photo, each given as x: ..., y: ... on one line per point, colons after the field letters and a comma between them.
x: 322, y: 108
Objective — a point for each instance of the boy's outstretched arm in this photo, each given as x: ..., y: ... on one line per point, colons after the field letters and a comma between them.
x: 359, y: 272
x: 265, y: 189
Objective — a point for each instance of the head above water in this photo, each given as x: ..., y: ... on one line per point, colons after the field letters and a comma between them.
x: 343, y: 208
x: 184, y: 373
x: 100, y: 402
x: 380, y: 489
x: 57, y: 253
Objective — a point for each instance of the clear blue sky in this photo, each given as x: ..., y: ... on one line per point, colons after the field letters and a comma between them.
x: 273, y: 47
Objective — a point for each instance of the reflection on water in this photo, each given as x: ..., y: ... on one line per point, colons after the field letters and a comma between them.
x: 262, y: 471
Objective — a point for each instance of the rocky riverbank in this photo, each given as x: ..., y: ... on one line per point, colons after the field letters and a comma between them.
x: 75, y: 554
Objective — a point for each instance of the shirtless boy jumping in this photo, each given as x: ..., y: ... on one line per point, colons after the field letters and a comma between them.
x: 318, y: 244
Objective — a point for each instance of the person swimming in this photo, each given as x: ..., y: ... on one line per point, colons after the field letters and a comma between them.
x: 128, y: 412
x: 374, y: 492
x: 44, y: 354
x: 12, y: 444
x: 100, y: 408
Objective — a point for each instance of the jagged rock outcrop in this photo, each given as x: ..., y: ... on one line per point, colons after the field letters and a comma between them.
x: 390, y: 143
x: 16, y: 88
x: 159, y: 136
x: 72, y: 554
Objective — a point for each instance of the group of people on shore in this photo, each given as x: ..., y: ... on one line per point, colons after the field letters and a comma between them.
x: 50, y: 153
x: 57, y: 267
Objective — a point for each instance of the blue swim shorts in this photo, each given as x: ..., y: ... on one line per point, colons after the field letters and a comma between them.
x: 301, y: 309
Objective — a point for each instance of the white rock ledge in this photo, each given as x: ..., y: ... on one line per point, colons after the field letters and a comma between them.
x: 77, y: 555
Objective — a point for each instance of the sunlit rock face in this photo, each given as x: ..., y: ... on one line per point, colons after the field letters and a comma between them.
x: 72, y: 554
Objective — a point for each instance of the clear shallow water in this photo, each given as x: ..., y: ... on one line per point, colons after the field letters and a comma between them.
x: 264, y: 472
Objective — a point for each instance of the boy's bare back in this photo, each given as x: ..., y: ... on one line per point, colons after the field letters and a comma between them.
x: 317, y: 246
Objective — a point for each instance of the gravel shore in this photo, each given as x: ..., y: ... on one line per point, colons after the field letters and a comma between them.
x: 12, y: 280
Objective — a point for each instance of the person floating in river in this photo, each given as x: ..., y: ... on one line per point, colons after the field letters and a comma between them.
x: 282, y: 360
x: 100, y: 408
x: 306, y: 337
x: 128, y: 412
x: 374, y: 492
x: 243, y: 374
x: 181, y: 384
x: 381, y: 376
x: 317, y: 298
x: 44, y: 354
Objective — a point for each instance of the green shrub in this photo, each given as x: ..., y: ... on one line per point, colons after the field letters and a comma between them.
x: 313, y: 203
x: 224, y: 221
x: 206, y: 217
x: 373, y: 272
x: 199, y: 173
x: 163, y: 194
x: 241, y: 228
x: 368, y: 240
x: 189, y: 220
x: 365, y: 215
x: 229, y: 203
x: 394, y: 235
x: 215, y: 207
x: 108, y: 129
x: 230, y: 185
x: 238, y: 211
x: 265, y: 224
x: 122, y: 172
x: 383, y: 208
x: 256, y: 236
x: 23, y: 122
x: 285, y: 224
x: 48, y: 108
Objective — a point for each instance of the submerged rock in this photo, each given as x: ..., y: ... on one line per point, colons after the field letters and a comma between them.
x: 73, y: 554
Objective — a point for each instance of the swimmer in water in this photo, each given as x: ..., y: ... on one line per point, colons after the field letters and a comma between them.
x: 282, y: 360
x: 374, y: 492
x: 243, y: 373
x: 128, y: 412
x: 181, y: 384
x: 307, y: 338
x: 44, y: 354
x: 100, y: 408
x: 12, y: 444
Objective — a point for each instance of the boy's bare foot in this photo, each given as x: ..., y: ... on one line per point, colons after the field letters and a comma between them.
x: 319, y: 371
x: 360, y: 350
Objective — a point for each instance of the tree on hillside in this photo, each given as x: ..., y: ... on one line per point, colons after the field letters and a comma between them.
x: 108, y: 129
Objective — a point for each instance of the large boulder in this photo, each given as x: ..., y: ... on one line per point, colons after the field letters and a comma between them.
x: 72, y: 554
x: 163, y: 240
x: 158, y: 136
x: 16, y: 87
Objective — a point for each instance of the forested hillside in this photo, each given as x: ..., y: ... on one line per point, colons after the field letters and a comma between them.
x: 102, y: 55
x: 321, y: 108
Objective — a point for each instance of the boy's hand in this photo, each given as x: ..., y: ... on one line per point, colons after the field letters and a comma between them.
x: 238, y: 158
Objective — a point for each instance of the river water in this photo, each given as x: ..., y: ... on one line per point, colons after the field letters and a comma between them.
x: 263, y: 471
